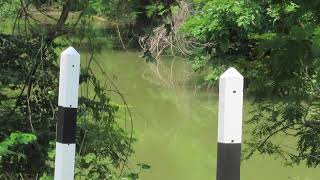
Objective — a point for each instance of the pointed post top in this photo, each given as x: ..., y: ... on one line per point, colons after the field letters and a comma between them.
x: 231, y: 73
x: 70, y: 51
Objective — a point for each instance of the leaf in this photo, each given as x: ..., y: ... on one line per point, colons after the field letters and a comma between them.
x: 45, y: 176
x: 150, y: 10
x: 144, y: 166
x: 15, y: 139
x: 133, y: 176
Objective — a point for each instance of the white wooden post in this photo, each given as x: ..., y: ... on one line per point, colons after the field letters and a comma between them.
x: 67, y: 114
x: 229, y: 125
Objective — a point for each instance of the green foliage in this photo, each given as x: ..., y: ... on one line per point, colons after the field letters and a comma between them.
x: 29, y: 72
x: 13, y: 140
x: 118, y: 10
x: 46, y: 177
x: 135, y: 175
x: 8, y: 151
x: 8, y: 9
x: 156, y: 9
x: 144, y: 166
x: 275, y: 45
x: 93, y: 166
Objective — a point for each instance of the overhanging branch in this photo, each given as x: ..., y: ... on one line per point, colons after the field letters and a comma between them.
x: 312, y: 123
x: 57, y: 28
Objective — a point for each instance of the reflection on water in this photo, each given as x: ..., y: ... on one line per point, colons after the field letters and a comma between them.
x: 176, y: 127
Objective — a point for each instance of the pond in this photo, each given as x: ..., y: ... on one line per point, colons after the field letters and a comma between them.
x: 176, y: 125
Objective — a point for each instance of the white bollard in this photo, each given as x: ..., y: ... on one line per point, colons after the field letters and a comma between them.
x: 229, y: 125
x: 67, y: 114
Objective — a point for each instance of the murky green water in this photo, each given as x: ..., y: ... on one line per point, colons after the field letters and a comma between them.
x: 177, y: 127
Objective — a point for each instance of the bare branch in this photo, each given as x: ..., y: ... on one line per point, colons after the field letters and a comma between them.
x: 312, y: 123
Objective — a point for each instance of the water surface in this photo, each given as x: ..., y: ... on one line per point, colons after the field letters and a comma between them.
x: 176, y: 127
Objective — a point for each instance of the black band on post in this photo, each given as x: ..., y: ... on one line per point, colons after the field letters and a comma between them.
x: 228, y: 164
x: 66, y: 127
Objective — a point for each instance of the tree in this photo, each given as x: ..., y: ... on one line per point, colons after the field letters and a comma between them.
x: 29, y: 90
x: 275, y: 45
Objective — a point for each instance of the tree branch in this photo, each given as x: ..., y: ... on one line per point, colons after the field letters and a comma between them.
x: 262, y: 143
x: 56, y: 29
x: 312, y: 123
